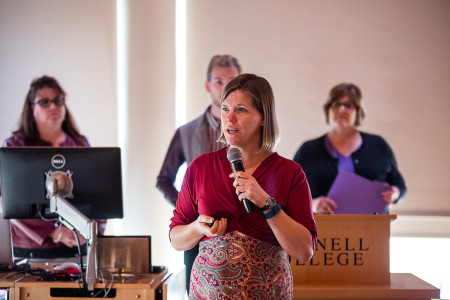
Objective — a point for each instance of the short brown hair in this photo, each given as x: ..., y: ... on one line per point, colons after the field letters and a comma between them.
x: 353, y: 92
x: 260, y: 91
x: 222, y: 61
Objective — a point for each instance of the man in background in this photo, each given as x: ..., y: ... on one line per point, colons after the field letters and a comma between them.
x: 197, y: 137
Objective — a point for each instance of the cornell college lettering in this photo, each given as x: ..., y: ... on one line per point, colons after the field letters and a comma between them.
x: 338, y: 251
x: 351, y: 249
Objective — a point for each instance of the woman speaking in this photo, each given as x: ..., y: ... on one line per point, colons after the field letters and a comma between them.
x: 244, y: 254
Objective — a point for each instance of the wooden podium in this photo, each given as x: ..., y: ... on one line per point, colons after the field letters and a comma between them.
x: 351, y: 260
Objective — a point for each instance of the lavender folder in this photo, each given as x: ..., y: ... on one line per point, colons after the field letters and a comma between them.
x: 356, y: 195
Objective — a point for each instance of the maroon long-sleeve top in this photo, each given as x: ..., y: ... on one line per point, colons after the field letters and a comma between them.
x: 208, y: 189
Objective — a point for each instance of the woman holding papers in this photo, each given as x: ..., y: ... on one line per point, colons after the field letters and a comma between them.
x: 344, y: 147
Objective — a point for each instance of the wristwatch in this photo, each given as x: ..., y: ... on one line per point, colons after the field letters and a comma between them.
x: 276, y: 209
x: 270, y: 203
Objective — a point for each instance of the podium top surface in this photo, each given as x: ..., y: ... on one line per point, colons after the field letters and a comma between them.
x: 355, y: 217
x: 401, y: 286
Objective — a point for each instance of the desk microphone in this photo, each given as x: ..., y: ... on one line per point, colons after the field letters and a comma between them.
x: 235, y: 158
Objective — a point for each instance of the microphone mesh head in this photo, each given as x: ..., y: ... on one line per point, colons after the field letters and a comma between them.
x: 234, y: 154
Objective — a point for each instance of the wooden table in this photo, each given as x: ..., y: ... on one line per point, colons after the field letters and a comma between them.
x: 147, y: 286
x: 402, y: 286
x: 5, y: 283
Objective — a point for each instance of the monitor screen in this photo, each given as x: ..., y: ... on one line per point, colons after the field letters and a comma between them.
x: 95, y: 172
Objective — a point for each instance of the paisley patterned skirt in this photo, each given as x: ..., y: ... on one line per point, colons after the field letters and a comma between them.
x: 237, y: 266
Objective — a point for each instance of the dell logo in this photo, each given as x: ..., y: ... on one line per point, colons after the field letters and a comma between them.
x: 58, y: 161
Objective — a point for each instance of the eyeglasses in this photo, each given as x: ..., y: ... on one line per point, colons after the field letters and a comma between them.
x: 347, y: 105
x: 45, y: 103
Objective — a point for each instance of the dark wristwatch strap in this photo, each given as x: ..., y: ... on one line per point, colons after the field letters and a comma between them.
x: 272, y: 212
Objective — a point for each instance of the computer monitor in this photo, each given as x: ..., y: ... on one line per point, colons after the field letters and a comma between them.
x: 95, y: 172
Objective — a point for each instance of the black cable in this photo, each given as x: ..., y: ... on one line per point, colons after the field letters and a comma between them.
x: 14, y: 274
x: 100, y: 290
x: 78, y: 246
x: 81, y: 262
x: 84, y: 288
x: 31, y: 272
x: 46, y: 219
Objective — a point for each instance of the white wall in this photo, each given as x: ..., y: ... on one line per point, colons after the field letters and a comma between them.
x: 396, y: 51
x: 151, y: 123
x: 74, y: 41
x: 426, y: 258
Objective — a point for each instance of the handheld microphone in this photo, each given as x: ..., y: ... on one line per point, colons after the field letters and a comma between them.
x: 235, y: 158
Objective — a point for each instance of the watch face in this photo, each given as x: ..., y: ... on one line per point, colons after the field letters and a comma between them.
x: 271, y: 202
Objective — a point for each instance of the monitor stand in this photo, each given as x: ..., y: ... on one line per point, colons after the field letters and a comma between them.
x: 60, y: 185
